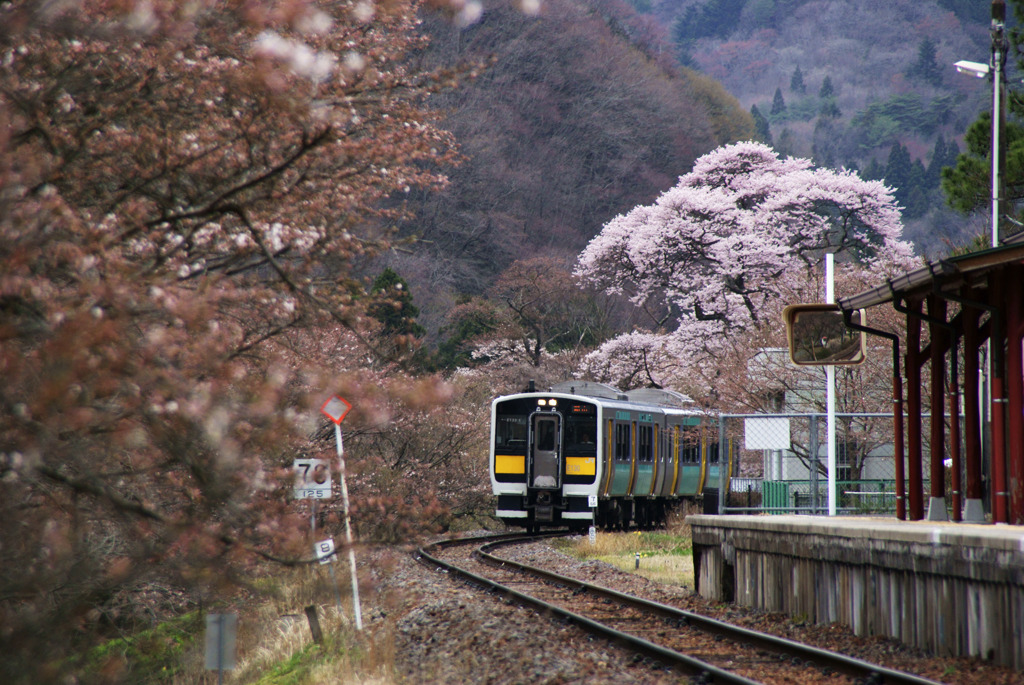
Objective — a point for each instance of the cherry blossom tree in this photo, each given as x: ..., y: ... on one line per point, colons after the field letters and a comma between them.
x: 184, y: 190
x: 728, y: 246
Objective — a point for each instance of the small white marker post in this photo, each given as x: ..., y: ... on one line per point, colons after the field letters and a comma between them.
x: 335, y: 409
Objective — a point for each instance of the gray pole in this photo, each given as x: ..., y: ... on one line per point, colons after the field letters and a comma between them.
x: 348, y: 528
x: 723, y: 465
x: 220, y: 649
x: 998, y: 57
x: 812, y: 454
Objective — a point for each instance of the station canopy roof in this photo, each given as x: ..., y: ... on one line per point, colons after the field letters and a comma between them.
x: 949, y: 274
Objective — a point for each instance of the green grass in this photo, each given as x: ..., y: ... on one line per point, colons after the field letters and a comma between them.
x: 295, y: 669
x: 153, y: 655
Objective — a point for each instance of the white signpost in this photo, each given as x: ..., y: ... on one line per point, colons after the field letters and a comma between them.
x: 335, y: 409
x: 312, y: 479
x: 221, y: 630
x: 325, y: 551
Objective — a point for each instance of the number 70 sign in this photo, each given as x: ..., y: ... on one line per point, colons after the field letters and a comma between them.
x: 312, y: 478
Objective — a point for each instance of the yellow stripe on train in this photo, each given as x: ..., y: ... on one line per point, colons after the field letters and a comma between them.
x: 509, y: 463
x: 580, y: 466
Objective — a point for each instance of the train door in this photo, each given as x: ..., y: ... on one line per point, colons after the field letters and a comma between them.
x: 547, y: 463
x: 662, y: 464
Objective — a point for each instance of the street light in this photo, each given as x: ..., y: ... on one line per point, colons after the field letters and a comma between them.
x: 973, y: 68
x: 994, y: 70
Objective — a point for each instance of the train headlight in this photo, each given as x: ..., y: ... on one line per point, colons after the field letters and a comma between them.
x: 542, y: 403
x: 552, y: 402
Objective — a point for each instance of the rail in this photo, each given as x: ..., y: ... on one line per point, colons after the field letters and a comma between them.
x: 799, y: 653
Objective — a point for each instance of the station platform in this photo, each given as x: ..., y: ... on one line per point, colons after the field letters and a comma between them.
x: 950, y: 588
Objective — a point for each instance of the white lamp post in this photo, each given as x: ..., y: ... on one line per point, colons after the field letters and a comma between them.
x: 995, y: 69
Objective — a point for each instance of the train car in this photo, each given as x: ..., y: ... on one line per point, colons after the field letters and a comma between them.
x: 585, y: 454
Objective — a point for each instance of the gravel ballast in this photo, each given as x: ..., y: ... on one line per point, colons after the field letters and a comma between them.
x: 447, y: 631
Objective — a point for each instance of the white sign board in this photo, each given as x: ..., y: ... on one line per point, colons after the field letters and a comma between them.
x: 766, y: 434
x: 221, y: 630
x: 325, y: 551
x: 312, y: 478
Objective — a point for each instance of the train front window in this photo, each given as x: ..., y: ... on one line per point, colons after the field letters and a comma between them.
x: 510, y: 431
x: 581, y: 434
x: 546, y: 433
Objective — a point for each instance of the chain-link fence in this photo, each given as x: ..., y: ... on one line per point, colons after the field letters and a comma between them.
x: 780, y: 463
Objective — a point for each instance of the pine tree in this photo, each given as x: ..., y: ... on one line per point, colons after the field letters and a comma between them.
x: 827, y: 89
x: 926, y: 68
x: 897, y: 169
x: 778, y: 103
x: 761, y: 125
x: 395, y: 308
x: 796, y: 83
x: 786, y: 145
x: 829, y: 109
x: 873, y: 171
x: 933, y: 174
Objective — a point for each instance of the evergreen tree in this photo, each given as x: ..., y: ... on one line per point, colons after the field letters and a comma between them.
x: 827, y: 90
x: 786, y: 145
x: 825, y: 142
x: 916, y: 202
x: 942, y: 156
x: 829, y: 109
x: 394, y: 307
x: 761, y: 125
x: 951, y: 154
x: 926, y: 68
x: 796, y: 83
x: 967, y: 185
x: 778, y: 103
x: 873, y: 171
x: 898, y: 171
x: 908, y: 179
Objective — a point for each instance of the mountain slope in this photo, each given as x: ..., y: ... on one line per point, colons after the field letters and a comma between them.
x: 571, y: 125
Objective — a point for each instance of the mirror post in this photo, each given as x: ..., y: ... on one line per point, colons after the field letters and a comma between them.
x: 830, y: 373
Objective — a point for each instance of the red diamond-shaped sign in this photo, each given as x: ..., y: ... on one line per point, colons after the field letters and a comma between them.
x: 335, y: 409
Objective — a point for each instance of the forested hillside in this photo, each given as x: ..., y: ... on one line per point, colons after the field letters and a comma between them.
x: 587, y: 108
x: 569, y: 125
x: 863, y: 84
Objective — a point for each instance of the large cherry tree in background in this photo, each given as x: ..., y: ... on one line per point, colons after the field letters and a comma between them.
x: 184, y: 189
x: 715, y: 258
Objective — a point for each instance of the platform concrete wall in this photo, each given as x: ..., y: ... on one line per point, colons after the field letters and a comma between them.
x: 952, y: 589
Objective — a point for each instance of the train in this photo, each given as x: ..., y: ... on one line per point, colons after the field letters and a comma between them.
x: 585, y: 454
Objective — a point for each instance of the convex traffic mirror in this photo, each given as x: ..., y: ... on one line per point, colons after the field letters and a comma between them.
x: 818, y: 335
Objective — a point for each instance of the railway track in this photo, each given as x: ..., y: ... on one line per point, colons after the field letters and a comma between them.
x: 705, y: 649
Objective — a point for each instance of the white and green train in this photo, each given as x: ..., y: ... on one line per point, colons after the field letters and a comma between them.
x: 585, y: 454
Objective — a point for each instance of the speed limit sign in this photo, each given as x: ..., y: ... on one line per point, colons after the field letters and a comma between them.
x: 312, y: 478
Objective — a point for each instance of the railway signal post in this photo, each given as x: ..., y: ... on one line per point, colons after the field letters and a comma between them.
x: 336, y: 409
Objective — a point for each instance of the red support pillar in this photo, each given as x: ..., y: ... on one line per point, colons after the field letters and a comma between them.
x: 1015, y: 391
x: 971, y: 318
x: 997, y: 337
x: 898, y: 450
x: 913, y: 374
x: 937, y: 346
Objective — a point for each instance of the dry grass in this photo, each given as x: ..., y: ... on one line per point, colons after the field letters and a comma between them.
x: 665, y: 556
x: 275, y: 644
